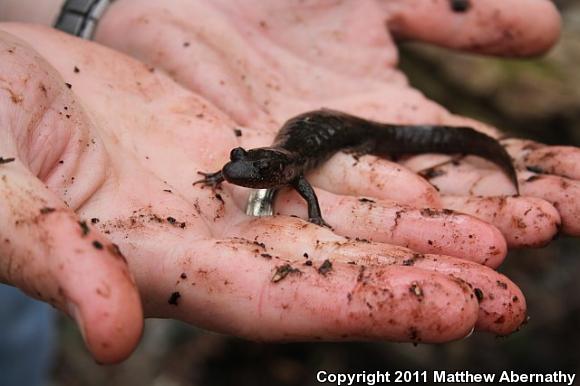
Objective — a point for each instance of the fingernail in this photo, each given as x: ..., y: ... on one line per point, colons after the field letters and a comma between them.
x: 73, y: 311
x: 469, y: 333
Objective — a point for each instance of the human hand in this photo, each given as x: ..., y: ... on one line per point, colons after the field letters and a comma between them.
x: 130, y: 141
x: 264, y: 62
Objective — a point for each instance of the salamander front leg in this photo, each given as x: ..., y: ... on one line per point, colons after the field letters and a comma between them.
x: 211, y: 179
x: 305, y: 190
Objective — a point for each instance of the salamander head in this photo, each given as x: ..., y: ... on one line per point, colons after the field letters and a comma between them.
x: 260, y: 168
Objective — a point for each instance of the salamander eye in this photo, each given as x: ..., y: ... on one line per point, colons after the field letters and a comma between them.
x: 238, y: 154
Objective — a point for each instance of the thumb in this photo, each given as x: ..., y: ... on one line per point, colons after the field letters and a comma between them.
x: 48, y: 253
x: 496, y: 27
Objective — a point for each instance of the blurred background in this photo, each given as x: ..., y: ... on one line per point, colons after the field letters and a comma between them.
x: 538, y: 99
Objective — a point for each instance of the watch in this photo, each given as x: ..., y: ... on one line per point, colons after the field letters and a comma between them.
x: 80, y: 17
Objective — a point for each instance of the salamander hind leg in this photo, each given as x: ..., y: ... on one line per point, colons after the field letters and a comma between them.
x: 305, y: 190
x: 210, y: 179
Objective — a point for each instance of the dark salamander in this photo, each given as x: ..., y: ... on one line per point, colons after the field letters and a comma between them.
x: 309, y: 139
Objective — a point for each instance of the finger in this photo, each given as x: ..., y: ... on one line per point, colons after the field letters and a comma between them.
x: 562, y: 161
x: 463, y: 178
x: 502, y: 306
x: 524, y: 221
x: 562, y: 192
x: 346, y: 174
x: 498, y: 27
x: 53, y: 257
x: 424, y: 230
x: 183, y: 48
x: 264, y: 296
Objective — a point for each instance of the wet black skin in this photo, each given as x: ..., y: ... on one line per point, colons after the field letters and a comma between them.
x: 310, y: 139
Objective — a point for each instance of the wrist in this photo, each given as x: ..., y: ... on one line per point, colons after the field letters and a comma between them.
x: 43, y: 12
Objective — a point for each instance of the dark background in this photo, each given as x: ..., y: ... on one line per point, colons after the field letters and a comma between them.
x: 538, y: 99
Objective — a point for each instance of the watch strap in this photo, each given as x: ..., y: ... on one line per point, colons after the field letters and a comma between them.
x: 80, y: 17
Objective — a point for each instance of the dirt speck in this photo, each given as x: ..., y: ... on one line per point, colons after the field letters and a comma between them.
x: 261, y: 245
x: 414, y: 335
x: 460, y: 6
x: 416, y: 290
x: 325, y: 268
x: 478, y: 294
x: 282, y: 271
x: 174, y: 298
x: 46, y: 210
x: 428, y: 212
x: 501, y: 284
x: 85, y: 230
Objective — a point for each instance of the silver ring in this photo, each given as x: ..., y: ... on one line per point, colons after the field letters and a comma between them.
x: 261, y: 202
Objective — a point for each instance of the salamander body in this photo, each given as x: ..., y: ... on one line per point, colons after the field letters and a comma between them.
x: 308, y: 140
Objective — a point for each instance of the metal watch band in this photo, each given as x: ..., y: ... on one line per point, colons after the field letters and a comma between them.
x: 80, y: 17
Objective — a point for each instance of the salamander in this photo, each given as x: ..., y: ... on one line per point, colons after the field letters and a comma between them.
x: 307, y: 140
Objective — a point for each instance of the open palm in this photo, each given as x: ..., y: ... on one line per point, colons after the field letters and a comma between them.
x: 263, y: 62
x: 105, y: 153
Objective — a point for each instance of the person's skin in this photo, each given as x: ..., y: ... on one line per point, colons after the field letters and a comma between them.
x: 43, y: 12
x: 263, y: 62
x: 106, y: 151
